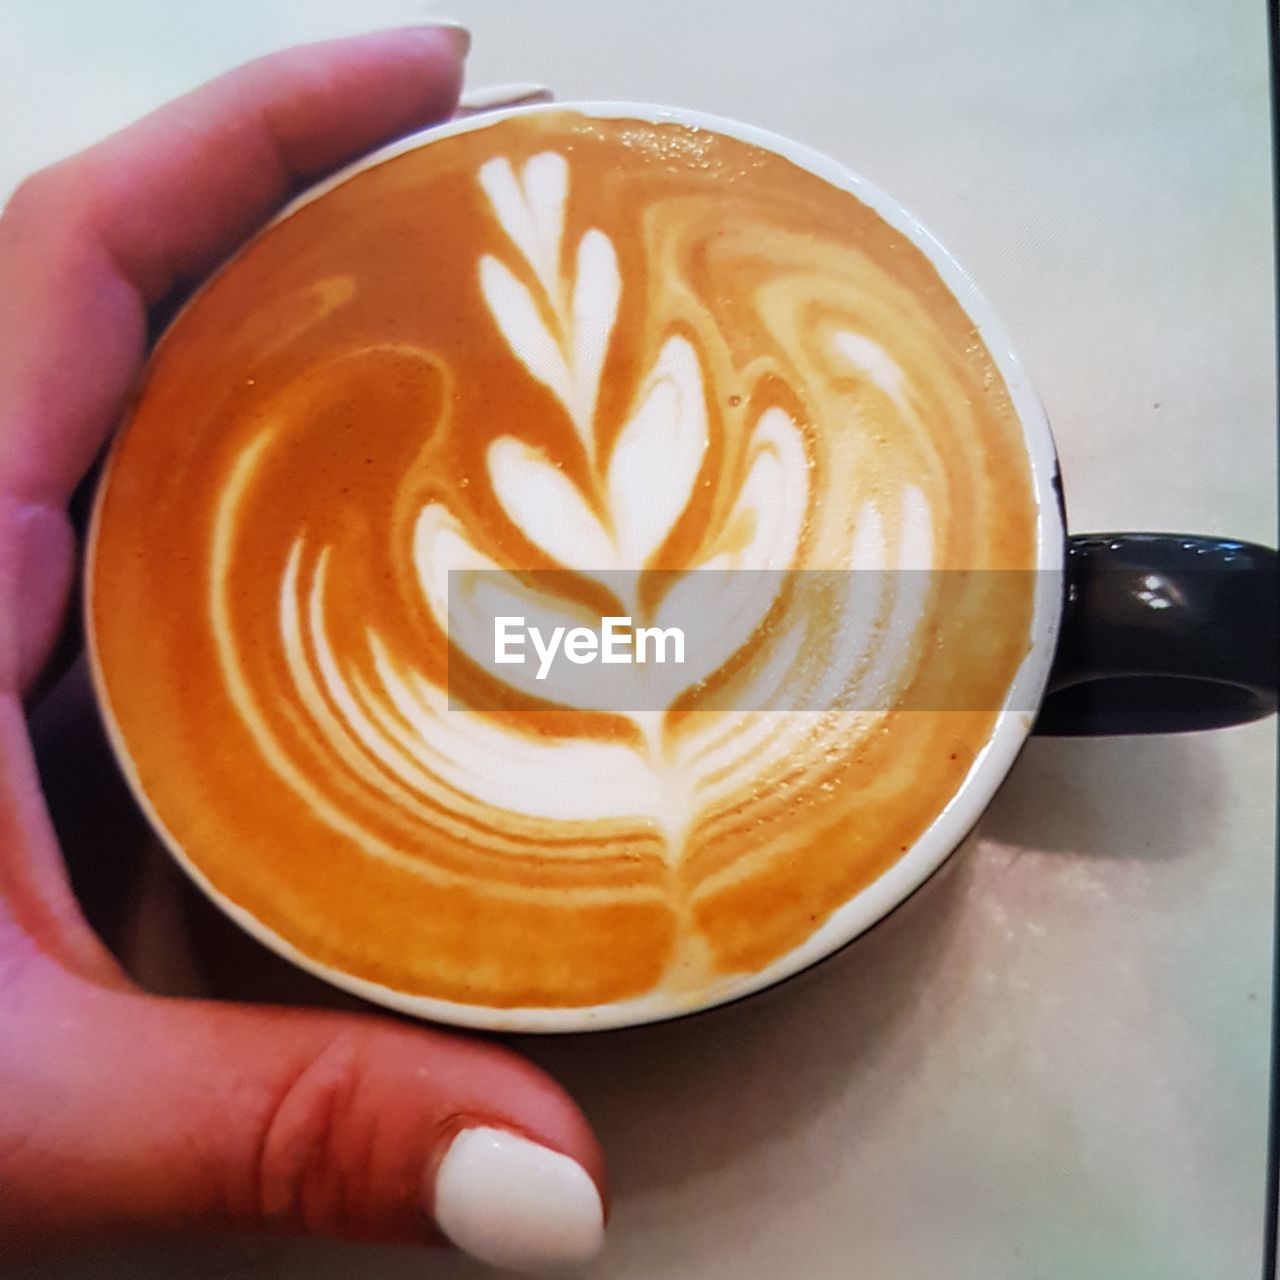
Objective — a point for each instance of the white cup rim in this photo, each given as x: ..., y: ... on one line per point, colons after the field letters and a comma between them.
x: 939, y: 839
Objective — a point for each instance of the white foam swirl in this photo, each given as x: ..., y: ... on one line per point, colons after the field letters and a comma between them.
x: 569, y: 361
x: 389, y: 728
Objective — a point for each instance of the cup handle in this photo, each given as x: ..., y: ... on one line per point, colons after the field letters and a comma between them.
x: 1164, y: 633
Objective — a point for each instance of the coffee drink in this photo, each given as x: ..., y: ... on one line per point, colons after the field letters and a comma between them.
x: 582, y: 346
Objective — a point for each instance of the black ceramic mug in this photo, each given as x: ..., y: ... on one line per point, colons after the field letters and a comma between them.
x: 1163, y: 633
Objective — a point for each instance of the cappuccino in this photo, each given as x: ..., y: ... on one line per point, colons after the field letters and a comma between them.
x: 588, y: 349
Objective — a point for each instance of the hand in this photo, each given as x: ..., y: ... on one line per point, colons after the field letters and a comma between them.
x: 123, y: 1111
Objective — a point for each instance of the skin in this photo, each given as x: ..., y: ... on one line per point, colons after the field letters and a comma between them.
x: 123, y: 1111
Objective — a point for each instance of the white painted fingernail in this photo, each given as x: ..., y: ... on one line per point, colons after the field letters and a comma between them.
x: 492, y: 97
x: 516, y: 1204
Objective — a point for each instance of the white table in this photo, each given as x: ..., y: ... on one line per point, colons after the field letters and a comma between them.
x: 1053, y: 1062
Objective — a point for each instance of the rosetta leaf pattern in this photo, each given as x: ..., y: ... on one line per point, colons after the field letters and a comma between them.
x: 557, y: 306
x: 517, y: 315
x: 658, y: 455
x: 562, y: 339
x: 595, y: 307
x: 566, y: 355
x: 531, y: 208
x: 546, y: 506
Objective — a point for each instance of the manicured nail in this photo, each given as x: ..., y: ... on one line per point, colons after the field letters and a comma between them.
x: 457, y: 31
x: 513, y: 1203
x: 492, y: 97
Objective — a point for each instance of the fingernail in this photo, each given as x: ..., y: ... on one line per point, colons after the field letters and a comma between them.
x: 491, y: 97
x: 457, y: 31
x: 513, y: 1203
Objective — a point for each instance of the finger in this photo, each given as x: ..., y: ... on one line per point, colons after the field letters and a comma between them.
x: 88, y: 244
x: 154, y: 1113
x: 84, y: 247
x: 39, y: 916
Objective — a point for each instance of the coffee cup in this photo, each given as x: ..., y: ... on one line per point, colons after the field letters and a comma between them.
x: 593, y: 358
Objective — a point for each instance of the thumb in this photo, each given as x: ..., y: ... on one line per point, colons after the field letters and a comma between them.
x: 143, y: 1112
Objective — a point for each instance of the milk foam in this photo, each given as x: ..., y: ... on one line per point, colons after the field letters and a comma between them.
x: 531, y: 209
x: 393, y: 728
x: 696, y: 379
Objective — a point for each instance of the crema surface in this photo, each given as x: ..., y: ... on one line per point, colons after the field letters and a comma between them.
x: 583, y: 345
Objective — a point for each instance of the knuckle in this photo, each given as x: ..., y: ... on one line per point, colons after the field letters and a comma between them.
x: 51, y: 214
x: 302, y: 1177
x: 39, y: 194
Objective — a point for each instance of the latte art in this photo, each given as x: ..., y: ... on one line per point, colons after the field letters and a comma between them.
x: 495, y: 376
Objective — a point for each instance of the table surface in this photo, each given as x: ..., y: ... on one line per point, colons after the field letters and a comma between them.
x: 1053, y: 1062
